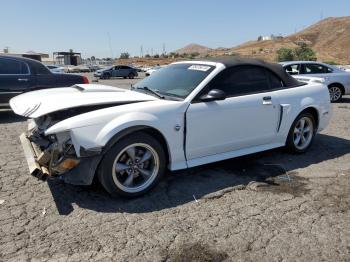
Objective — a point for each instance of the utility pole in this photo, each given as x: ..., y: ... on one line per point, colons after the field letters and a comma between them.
x: 141, y: 51
x: 110, y: 45
x: 164, y: 51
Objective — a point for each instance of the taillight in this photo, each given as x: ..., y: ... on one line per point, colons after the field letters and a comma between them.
x: 85, y: 80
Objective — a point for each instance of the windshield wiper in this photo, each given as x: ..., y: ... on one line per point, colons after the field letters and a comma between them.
x: 151, y: 91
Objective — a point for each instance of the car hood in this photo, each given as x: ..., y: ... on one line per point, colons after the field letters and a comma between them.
x: 38, y: 103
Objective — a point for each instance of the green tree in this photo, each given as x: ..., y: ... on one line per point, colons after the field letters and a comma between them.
x: 125, y: 55
x: 305, y: 53
x: 285, y: 54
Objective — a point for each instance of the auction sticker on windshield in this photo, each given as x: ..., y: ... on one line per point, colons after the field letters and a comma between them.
x: 199, y: 68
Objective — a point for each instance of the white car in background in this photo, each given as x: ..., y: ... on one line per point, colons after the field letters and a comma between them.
x: 188, y: 114
x: 337, y: 80
x: 56, y: 69
x: 152, y: 70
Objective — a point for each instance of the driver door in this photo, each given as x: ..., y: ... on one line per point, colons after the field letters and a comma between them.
x: 248, y: 116
x: 116, y: 71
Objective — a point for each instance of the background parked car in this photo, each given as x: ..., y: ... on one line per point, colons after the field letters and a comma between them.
x: 56, y: 69
x: 83, y: 69
x: 152, y: 70
x: 69, y: 69
x: 117, y: 71
x: 338, y: 80
x: 19, y: 75
x: 94, y: 68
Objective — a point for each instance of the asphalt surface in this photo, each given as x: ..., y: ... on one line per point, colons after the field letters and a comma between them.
x: 271, y: 206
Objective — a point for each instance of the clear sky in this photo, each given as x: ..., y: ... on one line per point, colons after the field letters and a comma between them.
x: 90, y: 26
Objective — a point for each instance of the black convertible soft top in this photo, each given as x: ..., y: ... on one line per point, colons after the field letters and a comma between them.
x: 287, y: 79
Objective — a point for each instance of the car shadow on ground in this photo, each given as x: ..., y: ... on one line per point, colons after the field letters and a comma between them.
x: 182, y: 187
x: 7, y: 116
x: 344, y: 100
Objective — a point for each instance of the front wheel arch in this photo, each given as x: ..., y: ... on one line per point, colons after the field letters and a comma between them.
x: 141, y: 128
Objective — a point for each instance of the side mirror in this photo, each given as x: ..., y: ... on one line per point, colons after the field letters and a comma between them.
x: 214, y: 94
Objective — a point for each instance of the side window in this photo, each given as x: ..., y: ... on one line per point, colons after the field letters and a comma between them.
x: 12, y: 67
x: 40, y: 69
x: 124, y: 67
x: 328, y: 70
x: 242, y: 80
x: 275, y: 81
x: 314, y: 69
x: 293, y: 69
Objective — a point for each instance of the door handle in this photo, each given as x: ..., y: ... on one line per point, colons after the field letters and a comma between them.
x: 267, y: 100
x: 22, y: 79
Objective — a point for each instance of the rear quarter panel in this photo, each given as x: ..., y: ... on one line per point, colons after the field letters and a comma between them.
x: 295, y: 100
x: 57, y: 80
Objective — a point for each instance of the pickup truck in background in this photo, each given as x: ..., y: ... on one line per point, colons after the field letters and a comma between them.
x: 19, y: 75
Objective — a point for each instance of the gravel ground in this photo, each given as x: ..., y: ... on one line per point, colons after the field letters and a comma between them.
x: 270, y: 206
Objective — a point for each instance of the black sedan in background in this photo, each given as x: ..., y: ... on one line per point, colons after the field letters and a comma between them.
x: 19, y: 75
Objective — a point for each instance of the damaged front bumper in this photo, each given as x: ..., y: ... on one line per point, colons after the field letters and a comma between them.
x: 77, y: 171
x: 31, y: 156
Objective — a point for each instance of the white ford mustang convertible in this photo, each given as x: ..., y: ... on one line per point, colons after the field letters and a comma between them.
x: 184, y: 115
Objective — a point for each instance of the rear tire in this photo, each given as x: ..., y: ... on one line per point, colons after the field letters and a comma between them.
x: 132, y: 166
x: 301, y: 133
x: 335, y: 93
x: 106, y: 76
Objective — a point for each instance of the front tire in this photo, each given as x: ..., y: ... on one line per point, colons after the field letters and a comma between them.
x: 131, y: 76
x: 133, y: 166
x: 301, y: 133
x: 335, y: 93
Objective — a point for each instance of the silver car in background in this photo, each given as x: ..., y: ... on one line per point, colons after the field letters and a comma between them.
x: 56, y: 69
x: 117, y: 71
x: 338, y: 80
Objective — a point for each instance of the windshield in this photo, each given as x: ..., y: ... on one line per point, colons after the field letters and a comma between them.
x: 177, y: 80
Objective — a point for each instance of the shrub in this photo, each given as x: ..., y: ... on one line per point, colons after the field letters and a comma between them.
x: 330, y: 62
x: 305, y: 53
x: 302, y: 52
x: 125, y: 55
x: 285, y: 54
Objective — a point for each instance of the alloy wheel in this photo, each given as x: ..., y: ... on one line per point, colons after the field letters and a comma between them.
x: 303, y: 133
x: 335, y: 93
x: 135, y: 167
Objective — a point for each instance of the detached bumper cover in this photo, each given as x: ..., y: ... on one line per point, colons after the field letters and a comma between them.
x: 34, y: 168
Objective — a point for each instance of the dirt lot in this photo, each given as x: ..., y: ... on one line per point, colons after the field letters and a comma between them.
x: 297, y: 210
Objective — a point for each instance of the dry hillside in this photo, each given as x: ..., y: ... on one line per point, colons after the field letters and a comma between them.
x: 330, y: 38
x: 193, y: 48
